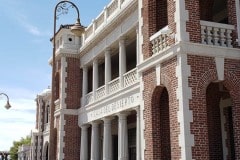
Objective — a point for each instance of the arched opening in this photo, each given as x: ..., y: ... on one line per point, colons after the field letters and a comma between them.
x: 214, y: 10
x: 45, y: 152
x: 220, y: 123
x: 161, y: 123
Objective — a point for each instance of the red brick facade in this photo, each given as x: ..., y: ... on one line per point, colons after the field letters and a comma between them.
x: 161, y: 102
x: 203, y: 81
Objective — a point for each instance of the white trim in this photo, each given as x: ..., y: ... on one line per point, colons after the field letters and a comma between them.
x: 158, y: 74
x: 238, y: 20
x: 181, y: 17
x: 63, y: 83
x: 189, y: 48
x: 220, y: 68
x: 142, y: 122
x: 185, y: 117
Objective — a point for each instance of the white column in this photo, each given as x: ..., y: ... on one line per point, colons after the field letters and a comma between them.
x: 108, y: 70
x: 85, y: 84
x: 107, y: 139
x: 95, y: 154
x: 137, y: 46
x: 84, y: 143
x: 138, y: 134
x: 122, y: 60
x: 95, y: 77
x: 122, y: 137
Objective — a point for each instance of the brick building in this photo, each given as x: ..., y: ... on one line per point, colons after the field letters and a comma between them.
x: 149, y: 79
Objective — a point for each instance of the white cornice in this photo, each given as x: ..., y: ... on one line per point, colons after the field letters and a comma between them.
x: 189, y: 48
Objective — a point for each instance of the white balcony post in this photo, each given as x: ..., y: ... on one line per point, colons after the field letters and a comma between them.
x: 95, y: 152
x: 122, y: 137
x: 122, y: 60
x: 108, y: 70
x: 84, y: 142
x: 95, y: 77
x: 85, y: 83
x: 107, y: 139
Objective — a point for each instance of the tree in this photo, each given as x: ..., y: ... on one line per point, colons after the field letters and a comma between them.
x: 14, y: 149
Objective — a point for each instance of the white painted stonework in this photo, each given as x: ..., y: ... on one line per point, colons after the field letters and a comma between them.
x: 107, y: 109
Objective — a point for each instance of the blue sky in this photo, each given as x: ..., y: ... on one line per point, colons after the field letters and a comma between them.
x: 26, y: 28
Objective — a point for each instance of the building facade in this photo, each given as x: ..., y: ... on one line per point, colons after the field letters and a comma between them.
x: 24, y: 152
x: 148, y: 79
x: 40, y: 135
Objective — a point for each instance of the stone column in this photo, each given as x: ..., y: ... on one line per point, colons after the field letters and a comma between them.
x: 107, y: 139
x: 138, y: 134
x: 137, y: 46
x: 84, y: 143
x: 95, y: 152
x: 85, y: 84
x: 122, y: 60
x: 122, y: 137
x: 95, y: 77
x: 108, y: 70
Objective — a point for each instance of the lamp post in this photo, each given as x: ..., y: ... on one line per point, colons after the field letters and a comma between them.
x: 7, y: 106
x: 61, y: 8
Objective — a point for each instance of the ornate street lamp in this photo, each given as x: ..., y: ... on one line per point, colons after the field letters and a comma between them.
x: 7, y: 106
x: 61, y: 8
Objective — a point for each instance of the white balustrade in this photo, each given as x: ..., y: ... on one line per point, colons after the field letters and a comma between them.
x: 114, y: 85
x: 216, y: 34
x: 112, y: 7
x: 130, y: 77
x: 89, y: 98
x: 105, y: 17
x: 100, y: 93
x: 99, y: 20
x: 160, y: 40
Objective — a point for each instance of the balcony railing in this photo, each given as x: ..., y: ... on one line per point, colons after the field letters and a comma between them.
x: 89, y: 98
x: 130, y: 78
x: 100, y: 92
x: 160, y: 40
x: 105, y: 17
x: 216, y: 34
x: 114, y: 85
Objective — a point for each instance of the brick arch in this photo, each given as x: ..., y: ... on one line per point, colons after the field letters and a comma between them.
x: 161, y: 144
x: 160, y: 113
x: 208, y: 77
x: 232, y: 83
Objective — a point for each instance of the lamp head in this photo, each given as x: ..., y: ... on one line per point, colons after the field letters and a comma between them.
x: 77, y: 28
x: 7, y: 106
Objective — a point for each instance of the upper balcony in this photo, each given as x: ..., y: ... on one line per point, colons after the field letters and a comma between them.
x: 106, y: 17
x: 129, y: 79
x: 216, y: 27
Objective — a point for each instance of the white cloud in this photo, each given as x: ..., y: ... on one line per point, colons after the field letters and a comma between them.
x: 16, y: 122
